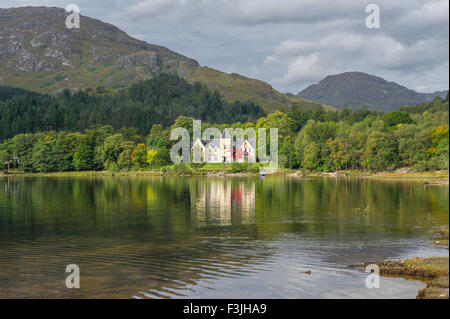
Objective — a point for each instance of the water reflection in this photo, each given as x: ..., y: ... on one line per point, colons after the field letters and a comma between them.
x: 210, y: 237
x: 223, y: 203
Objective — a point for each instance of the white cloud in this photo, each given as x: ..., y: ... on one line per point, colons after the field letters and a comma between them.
x: 297, y: 64
x: 151, y: 7
x: 290, y: 43
x: 432, y: 12
x: 301, y: 69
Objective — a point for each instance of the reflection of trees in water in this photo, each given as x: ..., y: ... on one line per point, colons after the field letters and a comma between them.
x: 143, y: 232
x: 342, y: 204
x: 125, y: 233
x: 114, y: 205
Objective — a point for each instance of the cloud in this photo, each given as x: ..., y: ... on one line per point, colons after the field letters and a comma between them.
x: 300, y: 63
x: 290, y: 43
x: 250, y: 12
x: 151, y: 8
x: 432, y: 13
x: 301, y: 69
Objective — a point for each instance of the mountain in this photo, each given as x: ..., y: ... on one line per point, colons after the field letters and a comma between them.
x: 38, y: 52
x: 356, y: 90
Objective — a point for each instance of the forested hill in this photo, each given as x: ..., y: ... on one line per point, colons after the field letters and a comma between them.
x: 159, y: 100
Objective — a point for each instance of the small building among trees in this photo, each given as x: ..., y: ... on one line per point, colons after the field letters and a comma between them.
x: 226, y: 149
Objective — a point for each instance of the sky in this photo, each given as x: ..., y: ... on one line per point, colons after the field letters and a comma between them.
x: 290, y: 44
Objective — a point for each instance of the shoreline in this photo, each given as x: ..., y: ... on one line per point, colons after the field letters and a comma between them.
x: 428, y: 178
x: 432, y: 271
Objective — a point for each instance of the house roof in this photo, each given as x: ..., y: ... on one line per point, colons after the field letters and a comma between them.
x: 199, y: 140
x: 238, y: 143
x: 251, y: 141
x: 226, y: 133
x: 208, y: 143
x: 212, y: 143
x: 216, y: 143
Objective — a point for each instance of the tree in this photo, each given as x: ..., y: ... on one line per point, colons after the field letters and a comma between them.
x: 150, y: 157
x: 6, y: 154
x: 158, y: 137
x: 184, y: 122
x: 21, y: 148
x: 124, y: 162
x: 139, y: 156
x: 286, y: 129
x: 381, y: 151
x: 43, y: 159
x: 339, y: 155
x: 287, y: 157
x: 311, y: 156
x: 162, y: 158
x: 84, y: 153
x: 396, y: 118
x: 108, y: 153
x: 440, y: 146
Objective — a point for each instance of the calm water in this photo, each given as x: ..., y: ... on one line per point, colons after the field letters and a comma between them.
x: 173, y: 237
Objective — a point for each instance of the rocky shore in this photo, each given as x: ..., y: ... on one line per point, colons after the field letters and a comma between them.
x: 432, y: 271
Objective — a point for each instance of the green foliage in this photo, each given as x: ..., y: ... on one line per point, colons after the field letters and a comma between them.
x: 111, y: 149
x: 438, y: 105
x: 162, y: 158
x: 134, y: 110
x: 139, y: 156
x: 381, y: 151
x: 124, y: 162
x: 316, y: 140
x: 396, y: 118
x: 439, y: 150
x: 396, y: 139
x: 244, y: 168
x: 84, y: 153
x: 150, y: 156
x: 197, y: 166
x: 179, y: 169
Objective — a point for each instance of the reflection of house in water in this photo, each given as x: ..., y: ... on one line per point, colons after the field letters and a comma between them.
x: 224, y: 202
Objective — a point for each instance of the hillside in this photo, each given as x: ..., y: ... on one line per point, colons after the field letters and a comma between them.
x: 160, y: 100
x: 356, y: 90
x: 38, y: 52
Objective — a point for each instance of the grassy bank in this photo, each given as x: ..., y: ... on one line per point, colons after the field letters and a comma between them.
x: 172, y: 170
x: 386, y: 174
x: 429, y: 178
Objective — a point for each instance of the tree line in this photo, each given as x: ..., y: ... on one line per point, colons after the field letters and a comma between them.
x: 159, y: 100
x: 314, y: 139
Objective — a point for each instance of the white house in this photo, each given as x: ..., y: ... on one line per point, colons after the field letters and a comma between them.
x: 227, y: 150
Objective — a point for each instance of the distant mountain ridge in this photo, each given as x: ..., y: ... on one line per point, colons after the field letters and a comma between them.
x: 356, y: 90
x: 38, y: 52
